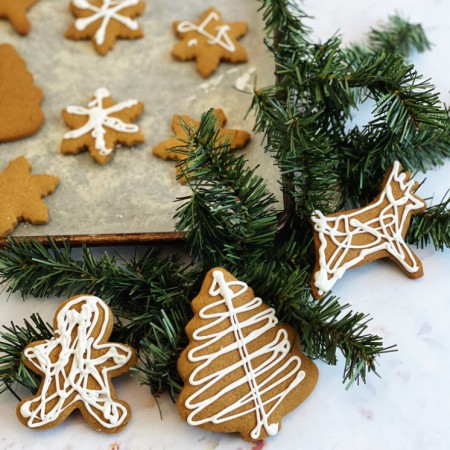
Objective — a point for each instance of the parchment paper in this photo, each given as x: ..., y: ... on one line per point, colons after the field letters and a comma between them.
x: 135, y: 192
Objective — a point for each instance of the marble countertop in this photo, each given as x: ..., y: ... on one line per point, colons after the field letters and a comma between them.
x: 408, y: 408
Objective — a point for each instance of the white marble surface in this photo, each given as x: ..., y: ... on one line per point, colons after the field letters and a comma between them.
x: 407, y: 409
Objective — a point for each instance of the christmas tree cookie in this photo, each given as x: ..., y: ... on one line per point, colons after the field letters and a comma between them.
x: 21, y: 195
x: 209, y: 41
x: 352, y: 238
x: 242, y: 370
x: 16, y: 12
x: 76, y: 367
x: 176, y: 148
x: 105, y: 21
x: 101, y: 126
x: 20, y: 99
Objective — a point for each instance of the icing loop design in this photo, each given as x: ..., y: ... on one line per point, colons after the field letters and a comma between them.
x: 99, y: 118
x: 387, y: 223
x: 263, y: 368
x: 109, y: 10
x: 78, y: 364
x: 221, y: 38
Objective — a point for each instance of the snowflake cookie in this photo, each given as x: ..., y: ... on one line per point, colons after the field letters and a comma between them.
x: 242, y: 370
x: 176, y: 147
x: 102, y: 125
x: 21, y: 195
x: 76, y: 367
x: 16, y: 12
x: 104, y: 21
x: 209, y: 41
x: 352, y: 238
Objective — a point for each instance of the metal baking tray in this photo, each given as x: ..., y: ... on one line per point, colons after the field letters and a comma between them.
x: 132, y: 198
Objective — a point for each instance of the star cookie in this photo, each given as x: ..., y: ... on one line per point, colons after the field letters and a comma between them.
x: 20, y: 99
x: 102, y: 125
x: 209, y: 41
x: 76, y: 367
x: 16, y: 12
x: 181, y: 125
x: 21, y: 195
x: 104, y: 21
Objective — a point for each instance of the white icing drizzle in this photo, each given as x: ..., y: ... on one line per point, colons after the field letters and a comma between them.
x: 71, y: 372
x: 386, y: 228
x: 99, y: 119
x: 109, y: 10
x: 222, y: 38
x: 273, y: 355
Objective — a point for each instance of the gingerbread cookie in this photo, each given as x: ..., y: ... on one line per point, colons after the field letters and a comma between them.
x: 104, y: 21
x: 176, y: 147
x: 352, y: 238
x: 21, y: 195
x: 101, y: 126
x: 242, y: 371
x: 209, y: 41
x: 20, y: 99
x: 76, y: 367
x: 16, y: 12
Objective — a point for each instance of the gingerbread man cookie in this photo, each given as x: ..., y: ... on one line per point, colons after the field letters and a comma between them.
x: 21, y: 195
x: 20, y: 99
x: 16, y: 12
x: 176, y: 147
x: 76, y: 367
x: 102, y: 125
x: 104, y: 21
x: 209, y: 41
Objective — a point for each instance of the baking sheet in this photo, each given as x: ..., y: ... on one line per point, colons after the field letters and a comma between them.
x: 135, y: 192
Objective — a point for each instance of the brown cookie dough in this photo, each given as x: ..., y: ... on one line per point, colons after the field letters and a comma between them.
x: 76, y: 367
x: 20, y: 100
x: 237, y: 139
x: 105, y: 21
x: 21, y: 195
x: 101, y: 126
x: 16, y: 12
x: 209, y: 41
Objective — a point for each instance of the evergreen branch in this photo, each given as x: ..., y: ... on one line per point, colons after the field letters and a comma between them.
x: 287, y: 16
x: 432, y: 226
x: 34, y: 269
x: 159, y: 354
x: 300, y: 149
x: 399, y: 36
x: 396, y: 37
x: 13, y: 340
x: 230, y: 212
x: 325, y: 328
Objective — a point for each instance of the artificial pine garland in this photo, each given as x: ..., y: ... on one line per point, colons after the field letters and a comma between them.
x: 232, y: 220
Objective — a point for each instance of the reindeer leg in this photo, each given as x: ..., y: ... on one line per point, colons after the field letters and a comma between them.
x: 406, y: 259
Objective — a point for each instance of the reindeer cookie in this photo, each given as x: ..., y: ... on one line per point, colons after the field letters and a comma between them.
x: 352, y: 238
x: 76, y: 367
